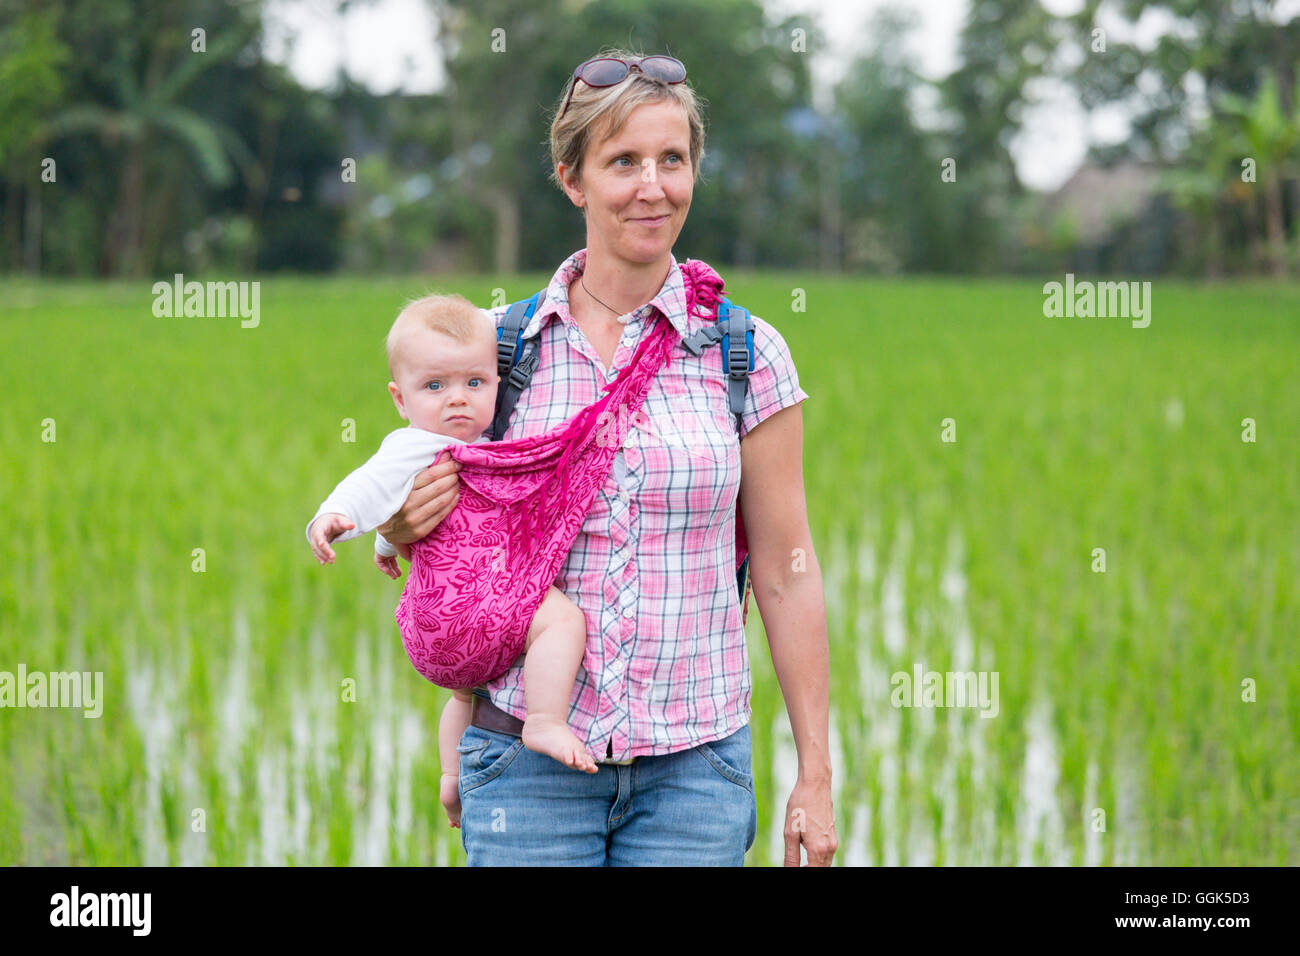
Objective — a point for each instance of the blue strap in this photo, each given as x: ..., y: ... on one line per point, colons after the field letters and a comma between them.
x: 736, y: 323
x: 515, y: 361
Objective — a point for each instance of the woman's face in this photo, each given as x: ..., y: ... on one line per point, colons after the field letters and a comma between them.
x: 636, y: 186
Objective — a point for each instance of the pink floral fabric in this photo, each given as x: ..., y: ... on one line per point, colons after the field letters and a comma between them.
x: 477, y: 580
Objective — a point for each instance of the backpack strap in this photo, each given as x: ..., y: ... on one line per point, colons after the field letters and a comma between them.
x: 516, y: 361
x: 734, y: 324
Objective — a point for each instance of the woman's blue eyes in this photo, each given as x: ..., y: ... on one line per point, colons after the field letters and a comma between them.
x: 676, y: 156
x: 431, y: 385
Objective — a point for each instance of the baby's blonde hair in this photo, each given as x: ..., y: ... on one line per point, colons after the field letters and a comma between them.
x: 452, y: 315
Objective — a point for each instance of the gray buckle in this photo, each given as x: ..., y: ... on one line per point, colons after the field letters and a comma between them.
x: 524, y: 369
x: 505, y: 353
x: 737, y: 361
x: 701, y: 340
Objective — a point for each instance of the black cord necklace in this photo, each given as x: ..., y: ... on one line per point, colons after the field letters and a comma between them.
x: 583, y: 281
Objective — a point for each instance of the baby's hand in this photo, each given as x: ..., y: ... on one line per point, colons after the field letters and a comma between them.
x: 324, y: 530
x: 449, y: 795
x: 388, y: 564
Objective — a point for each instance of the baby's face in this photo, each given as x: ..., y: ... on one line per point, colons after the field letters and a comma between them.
x: 446, y: 386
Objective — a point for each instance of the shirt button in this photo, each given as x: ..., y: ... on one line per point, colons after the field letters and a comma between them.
x: 623, y: 496
x: 628, y: 612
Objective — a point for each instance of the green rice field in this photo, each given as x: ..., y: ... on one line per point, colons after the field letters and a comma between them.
x: 156, y: 475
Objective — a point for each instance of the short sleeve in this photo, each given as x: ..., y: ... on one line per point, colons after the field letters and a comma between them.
x: 774, y: 382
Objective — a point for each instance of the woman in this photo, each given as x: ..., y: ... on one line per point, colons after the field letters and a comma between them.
x: 662, y: 699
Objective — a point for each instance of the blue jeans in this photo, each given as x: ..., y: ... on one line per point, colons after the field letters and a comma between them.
x: 695, y: 807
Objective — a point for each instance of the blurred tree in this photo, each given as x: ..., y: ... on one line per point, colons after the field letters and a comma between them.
x: 1197, y: 191
x: 171, y: 153
x: 142, y: 120
x: 1204, y: 79
x: 497, y: 54
x: 1213, y: 47
x: 31, y: 85
x: 902, y: 213
x: 1258, y: 130
x: 1003, y: 47
x: 750, y: 72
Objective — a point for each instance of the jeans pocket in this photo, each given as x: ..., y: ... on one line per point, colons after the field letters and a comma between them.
x: 732, y: 757
x: 471, y: 749
x: 484, y: 755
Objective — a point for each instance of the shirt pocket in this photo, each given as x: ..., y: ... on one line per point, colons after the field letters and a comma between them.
x: 685, y: 431
x: 692, y: 453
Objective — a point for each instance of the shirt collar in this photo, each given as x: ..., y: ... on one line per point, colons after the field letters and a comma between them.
x: 671, y: 300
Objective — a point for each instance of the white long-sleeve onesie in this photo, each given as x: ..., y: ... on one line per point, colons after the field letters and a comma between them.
x: 374, y: 492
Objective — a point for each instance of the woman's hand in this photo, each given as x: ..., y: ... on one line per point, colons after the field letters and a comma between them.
x: 810, y: 821
x: 434, y: 494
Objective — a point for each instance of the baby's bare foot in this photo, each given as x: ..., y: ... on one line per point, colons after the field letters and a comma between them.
x: 552, y: 736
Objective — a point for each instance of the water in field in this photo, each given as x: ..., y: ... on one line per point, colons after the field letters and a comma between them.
x: 259, y: 709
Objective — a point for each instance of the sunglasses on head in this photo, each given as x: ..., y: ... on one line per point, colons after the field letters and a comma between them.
x: 609, y: 70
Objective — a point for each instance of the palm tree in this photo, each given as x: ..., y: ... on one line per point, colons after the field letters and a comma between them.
x: 1199, y: 189
x: 147, y: 117
x: 1261, y: 130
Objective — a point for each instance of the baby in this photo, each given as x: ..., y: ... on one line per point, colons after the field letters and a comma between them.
x: 442, y: 355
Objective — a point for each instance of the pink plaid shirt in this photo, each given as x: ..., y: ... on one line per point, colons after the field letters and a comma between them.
x: 654, y: 566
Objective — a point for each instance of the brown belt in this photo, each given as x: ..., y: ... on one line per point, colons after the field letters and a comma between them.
x: 483, y: 713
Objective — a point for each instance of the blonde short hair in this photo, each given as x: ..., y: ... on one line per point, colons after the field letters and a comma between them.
x: 590, y: 107
x: 452, y: 315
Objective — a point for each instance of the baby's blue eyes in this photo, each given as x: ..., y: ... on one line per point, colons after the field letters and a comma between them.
x: 431, y: 386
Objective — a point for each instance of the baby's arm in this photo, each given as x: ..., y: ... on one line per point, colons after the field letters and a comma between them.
x: 324, y: 529
x: 451, y: 727
x: 371, y: 494
x: 386, y: 557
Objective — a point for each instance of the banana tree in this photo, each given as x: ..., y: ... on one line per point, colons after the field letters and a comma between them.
x: 1260, y: 129
x: 147, y: 118
x: 1199, y: 189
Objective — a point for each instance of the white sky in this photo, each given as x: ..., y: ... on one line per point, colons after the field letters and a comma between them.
x: 391, y: 44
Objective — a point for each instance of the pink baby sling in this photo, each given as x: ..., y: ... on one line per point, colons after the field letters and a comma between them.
x: 477, y: 580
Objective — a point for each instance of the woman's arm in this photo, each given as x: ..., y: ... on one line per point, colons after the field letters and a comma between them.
x: 793, y: 607
x: 434, y: 493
